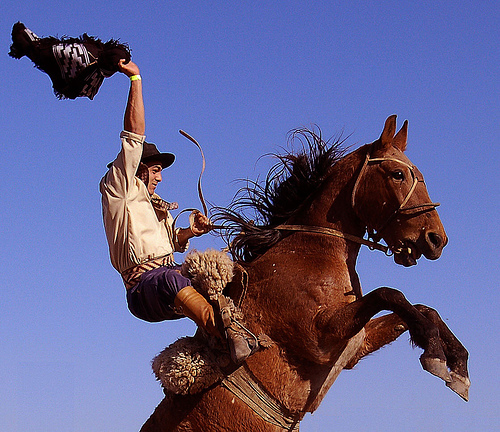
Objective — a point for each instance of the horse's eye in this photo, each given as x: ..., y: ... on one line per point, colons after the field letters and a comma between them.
x: 398, y: 175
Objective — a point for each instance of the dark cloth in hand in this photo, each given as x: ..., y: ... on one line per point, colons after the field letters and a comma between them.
x: 76, y: 66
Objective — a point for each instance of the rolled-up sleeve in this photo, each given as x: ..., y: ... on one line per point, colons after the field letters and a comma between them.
x: 119, y: 179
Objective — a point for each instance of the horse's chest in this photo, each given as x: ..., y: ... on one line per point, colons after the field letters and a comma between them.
x: 313, y: 280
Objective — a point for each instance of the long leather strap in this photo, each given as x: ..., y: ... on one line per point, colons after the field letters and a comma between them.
x: 332, y: 232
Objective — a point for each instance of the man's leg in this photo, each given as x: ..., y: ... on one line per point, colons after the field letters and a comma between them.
x: 162, y: 291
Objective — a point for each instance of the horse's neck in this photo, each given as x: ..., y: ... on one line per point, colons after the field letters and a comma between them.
x: 331, y: 208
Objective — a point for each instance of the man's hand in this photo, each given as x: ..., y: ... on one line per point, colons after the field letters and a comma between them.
x: 199, y: 224
x: 129, y: 68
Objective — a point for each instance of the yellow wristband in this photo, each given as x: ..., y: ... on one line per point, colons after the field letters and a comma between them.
x: 135, y: 78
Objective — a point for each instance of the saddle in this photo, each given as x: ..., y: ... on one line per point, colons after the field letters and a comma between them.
x: 192, y: 364
x: 236, y: 289
x: 223, y: 283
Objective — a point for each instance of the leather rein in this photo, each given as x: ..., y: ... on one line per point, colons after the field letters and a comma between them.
x: 375, y: 237
x: 371, y: 233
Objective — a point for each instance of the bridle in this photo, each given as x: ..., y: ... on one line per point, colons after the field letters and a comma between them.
x: 374, y: 236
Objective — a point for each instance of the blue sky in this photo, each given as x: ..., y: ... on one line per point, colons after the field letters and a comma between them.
x: 238, y: 76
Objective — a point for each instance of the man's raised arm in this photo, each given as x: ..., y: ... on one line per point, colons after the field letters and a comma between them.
x: 134, y: 119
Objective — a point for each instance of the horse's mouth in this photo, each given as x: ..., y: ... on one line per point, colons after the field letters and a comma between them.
x: 407, y: 254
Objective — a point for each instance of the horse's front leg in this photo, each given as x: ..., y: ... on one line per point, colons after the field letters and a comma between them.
x: 378, y: 333
x: 386, y: 329
x: 456, y: 354
x: 342, y: 324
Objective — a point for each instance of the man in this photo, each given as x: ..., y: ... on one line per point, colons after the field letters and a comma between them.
x: 139, y: 227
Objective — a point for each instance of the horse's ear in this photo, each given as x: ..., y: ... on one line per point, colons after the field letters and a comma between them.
x: 401, y: 137
x: 385, y: 140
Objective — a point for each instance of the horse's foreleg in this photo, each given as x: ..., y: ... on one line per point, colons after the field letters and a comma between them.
x: 344, y: 323
x: 386, y: 329
x: 456, y: 354
x: 379, y: 332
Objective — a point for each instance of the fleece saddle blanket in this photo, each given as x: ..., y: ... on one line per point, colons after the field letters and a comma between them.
x: 76, y: 66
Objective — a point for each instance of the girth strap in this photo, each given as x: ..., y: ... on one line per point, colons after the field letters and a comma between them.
x: 243, y: 385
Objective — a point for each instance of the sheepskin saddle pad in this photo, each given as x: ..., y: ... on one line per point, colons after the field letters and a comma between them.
x: 209, y: 271
x: 192, y: 364
x: 189, y: 366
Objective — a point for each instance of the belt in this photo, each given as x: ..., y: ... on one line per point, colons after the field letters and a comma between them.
x: 132, y: 275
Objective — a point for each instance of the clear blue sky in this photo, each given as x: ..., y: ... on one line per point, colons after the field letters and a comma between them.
x: 238, y: 76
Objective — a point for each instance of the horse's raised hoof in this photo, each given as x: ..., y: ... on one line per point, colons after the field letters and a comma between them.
x: 460, y: 385
x: 436, y: 367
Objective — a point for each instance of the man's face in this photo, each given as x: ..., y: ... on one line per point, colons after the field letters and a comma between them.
x: 154, y: 176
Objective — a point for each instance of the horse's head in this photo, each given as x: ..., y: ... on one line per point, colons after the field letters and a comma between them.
x: 391, y: 198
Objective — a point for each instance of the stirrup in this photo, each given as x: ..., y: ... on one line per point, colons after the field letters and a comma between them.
x: 241, y: 342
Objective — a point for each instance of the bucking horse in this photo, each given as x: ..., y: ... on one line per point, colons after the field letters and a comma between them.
x: 297, y: 283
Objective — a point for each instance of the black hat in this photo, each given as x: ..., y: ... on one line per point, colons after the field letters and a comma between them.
x: 151, y: 154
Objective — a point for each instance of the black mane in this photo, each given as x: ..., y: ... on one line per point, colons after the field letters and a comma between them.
x: 288, y: 184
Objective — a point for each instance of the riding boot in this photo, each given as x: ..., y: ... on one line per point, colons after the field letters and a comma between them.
x: 194, y: 306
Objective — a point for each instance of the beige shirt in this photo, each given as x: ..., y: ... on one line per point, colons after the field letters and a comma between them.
x: 135, y: 231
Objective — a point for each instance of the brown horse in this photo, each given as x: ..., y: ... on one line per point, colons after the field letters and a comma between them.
x: 304, y: 293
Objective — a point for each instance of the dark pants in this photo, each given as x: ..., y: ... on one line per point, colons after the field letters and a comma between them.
x: 152, y: 299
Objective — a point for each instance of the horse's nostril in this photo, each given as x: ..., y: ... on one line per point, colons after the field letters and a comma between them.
x: 435, y: 240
